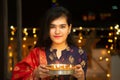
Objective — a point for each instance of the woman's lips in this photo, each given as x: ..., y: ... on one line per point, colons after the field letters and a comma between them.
x: 57, y: 36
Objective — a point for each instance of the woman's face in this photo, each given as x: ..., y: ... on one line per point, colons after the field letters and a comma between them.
x: 59, y: 30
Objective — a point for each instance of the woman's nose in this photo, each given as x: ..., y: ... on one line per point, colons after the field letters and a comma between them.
x: 57, y: 30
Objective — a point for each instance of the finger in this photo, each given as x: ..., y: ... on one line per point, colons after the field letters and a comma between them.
x: 79, y: 74
x: 43, y: 75
x: 78, y: 66
x: 79, y: 71
x: 43, y: 69
x: 43, y: 66
x: 43, y: 72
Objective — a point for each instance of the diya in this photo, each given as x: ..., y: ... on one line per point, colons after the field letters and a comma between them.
x: 60, y: 69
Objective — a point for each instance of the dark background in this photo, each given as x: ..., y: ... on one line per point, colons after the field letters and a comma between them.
x: 33, y: 10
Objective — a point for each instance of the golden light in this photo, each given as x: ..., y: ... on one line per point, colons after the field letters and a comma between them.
x: 24, y: 30
x: 108, y: 75
x: 80, y: 28
x: 35, y: 35
x: 12, y: 27
x: 111, y: 47
x: 26, y: 33
x: 54, y: 66
x: 74, y: 30
x: 110, y: 40
x: 79, y: 41
x: 108, y: 51
x: 115, y: 38
x: 12, y: 32
x: 116, y: 26
x: 70, y: 66
x: 11, y: 68
x: 110, y: 34
x: 81, y: 37
x: 107, y: 59
x: 117, y: 33
x: 11, y: 38
x: 35, y: 42
x: 24, y: 38
x: 111, y: 27
x: 118, y: 30
x: 10, y: 54
x: 100, y: 58
x: 23, y: 45
x: 34, y: 30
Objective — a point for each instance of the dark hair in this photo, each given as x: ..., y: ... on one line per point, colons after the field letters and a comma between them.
x: 52, y: 14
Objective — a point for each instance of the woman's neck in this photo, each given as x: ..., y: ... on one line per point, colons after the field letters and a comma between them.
x: 59, y: 46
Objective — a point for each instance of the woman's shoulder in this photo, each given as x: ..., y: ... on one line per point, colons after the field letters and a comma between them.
x: 37, y: 49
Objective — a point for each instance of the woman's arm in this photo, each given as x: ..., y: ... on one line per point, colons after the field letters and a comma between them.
x: 79, y: 72
x: 24, y: 70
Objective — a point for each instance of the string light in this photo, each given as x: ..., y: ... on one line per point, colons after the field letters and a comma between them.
x: 35, y: 35
x: 112, y: 36
x: 10, y: 68
x: 80, y: 28
x: 100, y: 58
x: 10, y: 54
x: 74, y: 30
x: 12, y: 27
x: 107, y: 59
x: 34, y: 30
x: 23, y: 45
x: 35, y: 42
x: 79, y: 41
x: 108, y: 75
x: 108, y: 51
x: 11, y: 38
x: 24, y: 38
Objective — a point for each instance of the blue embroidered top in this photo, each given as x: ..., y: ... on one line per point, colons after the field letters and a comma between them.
x: 71, y: 55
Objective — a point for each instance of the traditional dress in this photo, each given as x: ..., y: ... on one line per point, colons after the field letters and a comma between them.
x: 71, y: 55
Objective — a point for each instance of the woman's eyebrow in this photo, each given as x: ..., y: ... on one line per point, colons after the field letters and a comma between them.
x: 59, y: 24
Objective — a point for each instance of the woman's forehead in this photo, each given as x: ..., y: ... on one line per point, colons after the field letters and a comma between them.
x: 60, y: 20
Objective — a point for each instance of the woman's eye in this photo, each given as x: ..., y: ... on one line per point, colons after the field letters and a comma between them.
x: 63, y: 26
x: 52, y: 26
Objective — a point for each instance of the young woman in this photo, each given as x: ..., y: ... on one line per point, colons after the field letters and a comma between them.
x: 55, y: 45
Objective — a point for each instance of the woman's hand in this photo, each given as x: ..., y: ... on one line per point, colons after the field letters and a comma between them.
x: 42, y: 72
x: 79, y: 73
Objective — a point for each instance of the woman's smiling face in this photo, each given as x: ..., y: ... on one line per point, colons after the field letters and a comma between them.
x: 59, y: 30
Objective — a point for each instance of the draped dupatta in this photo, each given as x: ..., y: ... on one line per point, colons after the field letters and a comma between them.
x: 24, y: 69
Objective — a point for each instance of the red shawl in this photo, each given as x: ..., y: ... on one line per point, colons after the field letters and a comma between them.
x: 25, y: 68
